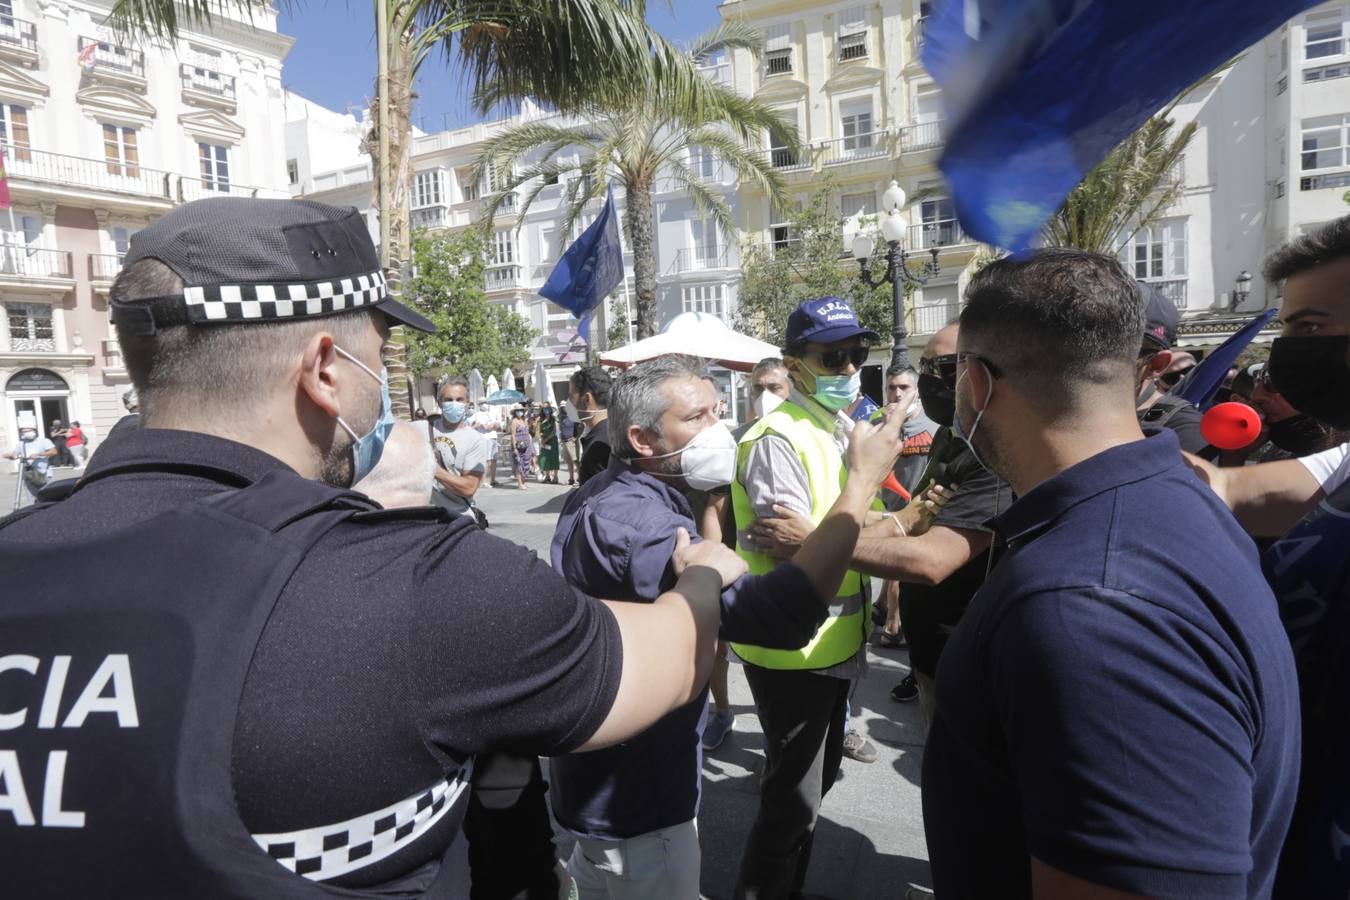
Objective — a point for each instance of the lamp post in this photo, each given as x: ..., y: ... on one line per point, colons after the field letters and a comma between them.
x: 1242, y: 289
x: 894, y: 227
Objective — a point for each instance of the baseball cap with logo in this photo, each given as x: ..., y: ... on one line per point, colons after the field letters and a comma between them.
x: 825, y: 320
x: 1160, y: 317
x: 244, y: 260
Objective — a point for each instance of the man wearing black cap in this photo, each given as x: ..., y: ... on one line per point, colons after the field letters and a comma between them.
x: 1156, y: 408
x: 274, y: 682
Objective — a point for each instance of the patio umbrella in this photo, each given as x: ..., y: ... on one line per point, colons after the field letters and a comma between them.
x: 696, y: 334
x: 492, y: 386
x: 505, y: 397
x: 508, y: 379
x: 543, y: 389
x: 476, y: 392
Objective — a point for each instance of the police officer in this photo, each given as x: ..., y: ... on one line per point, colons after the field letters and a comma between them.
x: 270, y: 686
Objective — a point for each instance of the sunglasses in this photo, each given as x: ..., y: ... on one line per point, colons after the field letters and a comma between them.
x: 1170, y: 379
x: 838, y: 358
x: 943, y: 367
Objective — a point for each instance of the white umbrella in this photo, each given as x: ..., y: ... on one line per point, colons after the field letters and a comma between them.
x: 492, y: 386
x: 697, y: 334
x: 543, y: 389
x: 508, y: 379
x: 476, y: 393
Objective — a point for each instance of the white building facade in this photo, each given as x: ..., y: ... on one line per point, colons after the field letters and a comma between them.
x: 101, y: 136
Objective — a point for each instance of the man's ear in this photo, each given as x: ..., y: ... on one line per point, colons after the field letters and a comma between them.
x: 977, y: 373
x: 1159, y: 363
x: 319, y: 374
x: 641, y: 440
x: 798, y: 374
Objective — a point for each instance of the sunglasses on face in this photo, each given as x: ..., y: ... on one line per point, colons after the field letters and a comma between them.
x: 842, y: 356
x: 943, y: 367
x: 1170, y: 379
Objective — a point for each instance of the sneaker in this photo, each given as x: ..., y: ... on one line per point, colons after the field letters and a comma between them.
x: 860, y: 748
x: 720, y: 724
x: 906, y: 690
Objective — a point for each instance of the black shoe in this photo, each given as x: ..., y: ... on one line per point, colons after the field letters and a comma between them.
x: 906, y: 690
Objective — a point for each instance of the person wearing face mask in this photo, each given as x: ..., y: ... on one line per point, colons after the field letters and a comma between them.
x: 588, y: 393
x: 285, y: 686
x: 461, y: 451
x: 35, y: 454
x: 632, y: 808
x: 1156, y: 408
x: 1117, y: 710
x: 1292, y: 434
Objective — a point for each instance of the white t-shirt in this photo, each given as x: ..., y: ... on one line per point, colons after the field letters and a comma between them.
x: 32, y: 449
x: 1331, y: 467
x: 462, y: 451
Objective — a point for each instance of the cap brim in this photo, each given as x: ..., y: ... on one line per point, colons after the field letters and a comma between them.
x: 842, y: 333
x: 402, y: 315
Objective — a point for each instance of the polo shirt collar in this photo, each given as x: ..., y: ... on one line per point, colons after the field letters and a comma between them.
x: 623, y: 473
x: 1106, y: 471
x: 215, y: 457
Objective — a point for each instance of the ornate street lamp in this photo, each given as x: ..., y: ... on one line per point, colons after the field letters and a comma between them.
x: 1243, y: 288
x: 898, y: 274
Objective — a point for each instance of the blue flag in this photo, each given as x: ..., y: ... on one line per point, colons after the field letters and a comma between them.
x: 591, y: 267
x: 1201, y: 382
x: 1038, y: 92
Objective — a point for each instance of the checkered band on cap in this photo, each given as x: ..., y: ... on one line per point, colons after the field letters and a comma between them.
x: 258, y: 302
x: 328, y: 851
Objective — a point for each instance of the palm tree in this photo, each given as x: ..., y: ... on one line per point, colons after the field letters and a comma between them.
x: 1128, y: 191
x: 517, y: 47
x: 637, y: 139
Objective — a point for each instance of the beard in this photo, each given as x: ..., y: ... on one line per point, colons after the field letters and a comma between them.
x: 336, y: 468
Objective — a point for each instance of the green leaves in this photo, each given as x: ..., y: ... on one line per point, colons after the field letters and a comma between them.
x: 472, y: 331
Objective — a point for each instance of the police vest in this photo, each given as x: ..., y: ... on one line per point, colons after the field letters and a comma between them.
x: 118, y: 704
x: 849, y: 621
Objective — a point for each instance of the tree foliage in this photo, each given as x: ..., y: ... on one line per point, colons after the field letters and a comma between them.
x: 812, y: 264
x: 471, y: 331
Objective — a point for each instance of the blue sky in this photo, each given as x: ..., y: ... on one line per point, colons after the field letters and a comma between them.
x: 333, y: 61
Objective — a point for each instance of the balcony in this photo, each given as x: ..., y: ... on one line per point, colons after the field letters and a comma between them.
x: 787, y: 159
x: 717, y: 74
x: 699, y: 259
x: 508, y: 207
x: 113, y: 63
x: 207, y: 87
x: 35, y: 268
x: 938, y: 233
x: 924, y: 136
x: 430, y: 217
x: 1173, y: 289
x: 872, y: 145
x: 62, y: 172
x: 502, y: 278
x: 103, y: 268
x: 929, y: 319
x: 190, y: 189
x: 18, y: 41
x: 1322, y: 182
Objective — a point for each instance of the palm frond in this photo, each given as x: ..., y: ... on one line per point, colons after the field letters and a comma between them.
x: 165, y: 18
x: 736, y: 34
x: 753, y: 165
x: 706, y: 200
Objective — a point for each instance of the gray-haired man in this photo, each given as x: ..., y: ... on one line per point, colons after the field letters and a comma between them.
x: 613, y: 540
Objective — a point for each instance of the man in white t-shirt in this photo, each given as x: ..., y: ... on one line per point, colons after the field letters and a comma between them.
x: 461, y: 452
x: 36, y: 452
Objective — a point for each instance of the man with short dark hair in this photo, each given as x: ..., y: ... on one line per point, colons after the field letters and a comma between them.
x: 588, y: 391
x: 1117, y: 710
x: 283, y: 683
x: 461, y: 451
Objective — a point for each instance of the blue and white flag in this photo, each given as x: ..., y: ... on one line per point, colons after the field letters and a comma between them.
x: 1038, y: 92
x: 591, y: 267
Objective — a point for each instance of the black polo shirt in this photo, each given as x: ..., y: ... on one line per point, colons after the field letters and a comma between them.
x: 400, y: 647
x: 594, y: 452
x: 1119, y: 700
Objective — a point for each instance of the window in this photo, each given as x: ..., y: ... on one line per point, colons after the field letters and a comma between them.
x: 937, y: 216
x: 927, y: 104
x: 705, y: 298
x: 119, y: 149
x: 1325, y: 142
x: 426, y: 189
x: 121, y: 242
x: 468, y: 188
x: 782, y: 228
x: 1324, y: 36
x: 14, y: 120
x: 703, y: 163
x: 778, y: 49
x: 1284, y: 53
x: 865, y: 204
x: 1158, y: 253
x: 292, y: 171
x: 215, y: 165
x: 707, y: 248
x: 1326, y: 73
x: 503, y: 248
x: 856, y: 119
x: 21, y: 247
x: 30, y: 327
x: 781, y: 155
x: 550, y: 245
x: 853, y: 33
x: 495, y: 181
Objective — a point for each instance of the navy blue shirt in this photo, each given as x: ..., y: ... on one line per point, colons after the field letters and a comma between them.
x: 614, y: 540
x: 1119, y: 700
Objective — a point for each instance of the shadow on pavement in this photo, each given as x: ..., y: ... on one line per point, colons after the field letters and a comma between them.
x: 554, y: 504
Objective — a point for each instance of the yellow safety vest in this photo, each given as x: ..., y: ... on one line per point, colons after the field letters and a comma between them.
x: 847, y: 627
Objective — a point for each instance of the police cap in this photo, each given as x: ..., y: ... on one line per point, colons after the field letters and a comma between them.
x: 243, y: 260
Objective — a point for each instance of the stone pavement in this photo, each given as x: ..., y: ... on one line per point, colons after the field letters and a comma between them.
x: 869, y: 840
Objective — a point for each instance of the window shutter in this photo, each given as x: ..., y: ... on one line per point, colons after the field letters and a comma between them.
x: 852, y: 20
x: 778, y: 37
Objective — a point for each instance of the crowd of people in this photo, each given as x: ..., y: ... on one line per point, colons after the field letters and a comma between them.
x: 1122, y: 695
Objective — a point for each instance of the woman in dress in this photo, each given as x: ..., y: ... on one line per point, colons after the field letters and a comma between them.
x: 522, y: 446
x: 548, y: 445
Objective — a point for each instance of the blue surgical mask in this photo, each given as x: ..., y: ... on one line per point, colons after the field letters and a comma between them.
x: 453, y: 411
x: 834, y: 392
x: 959, y: 428
x: 367, y: 449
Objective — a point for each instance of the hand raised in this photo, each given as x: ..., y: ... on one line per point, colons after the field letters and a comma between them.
x: 873, y: 449
x: 707, y: 554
